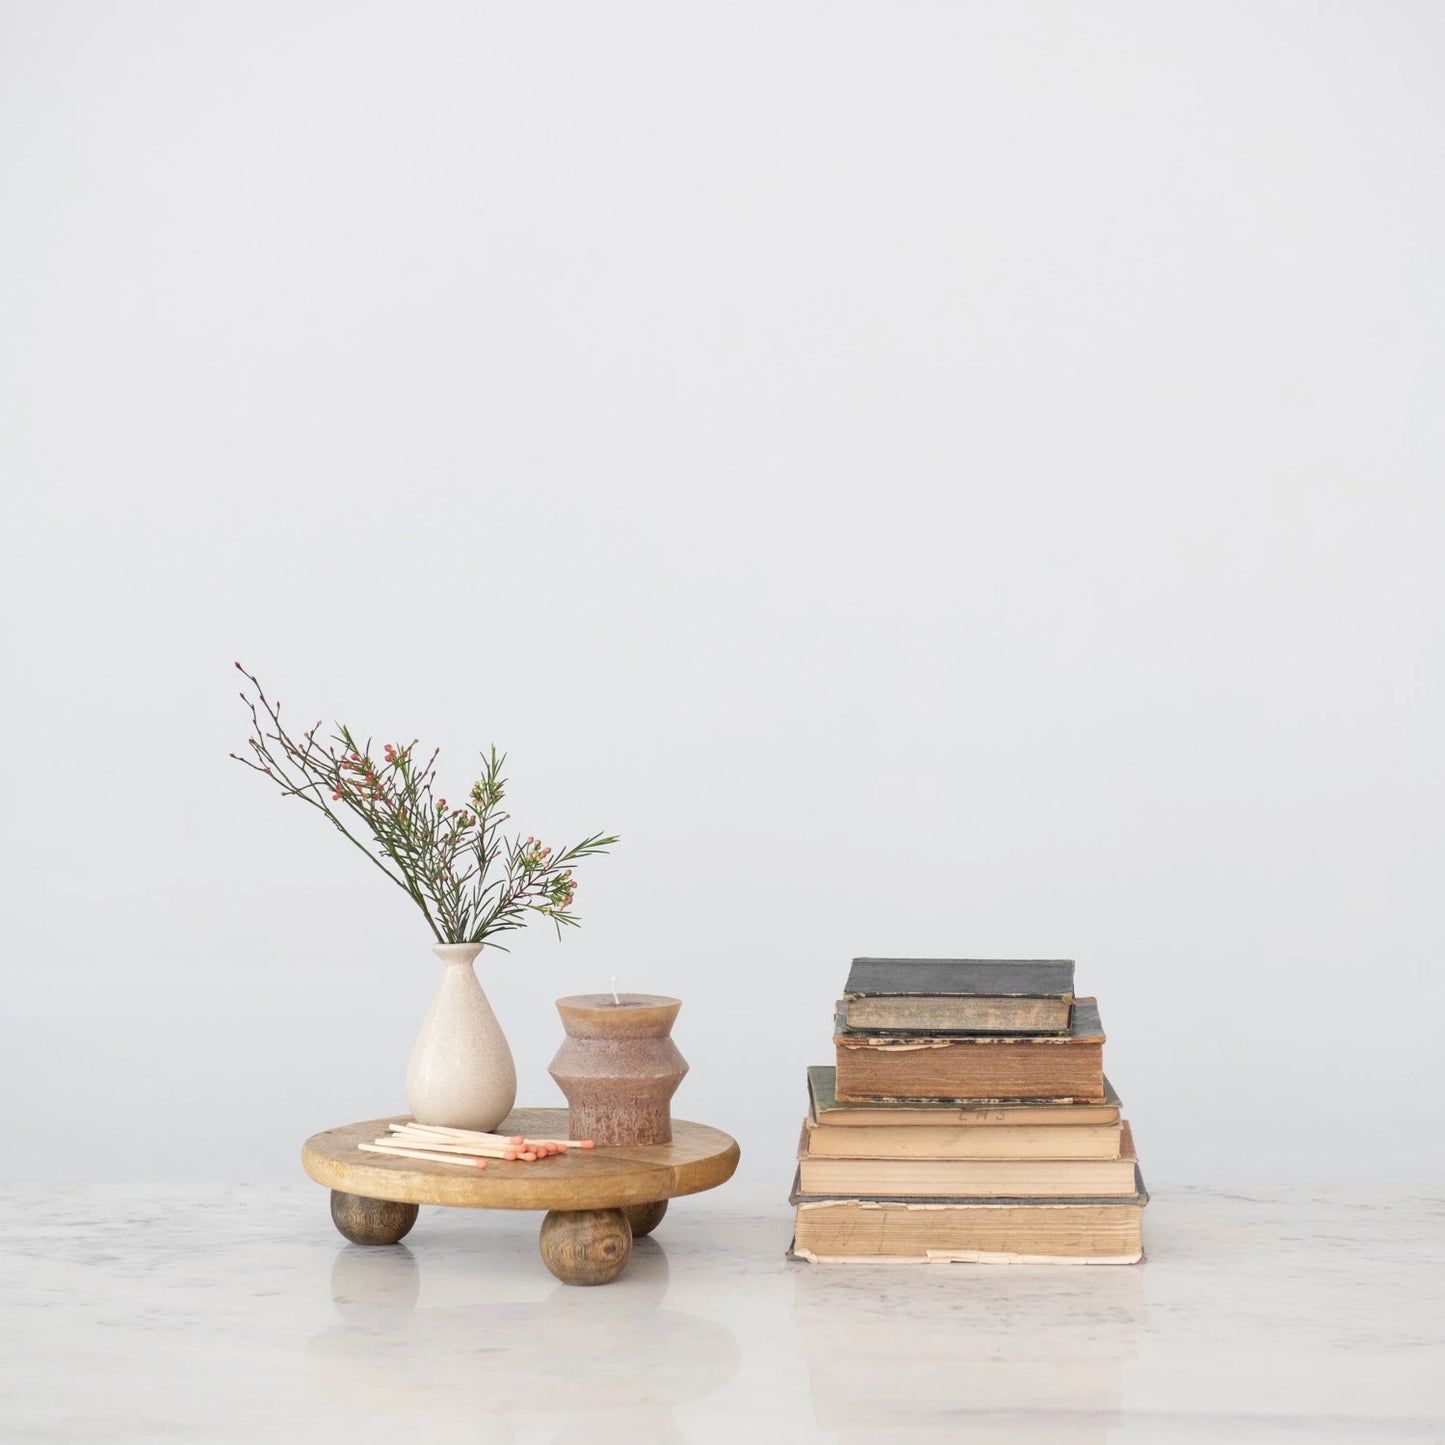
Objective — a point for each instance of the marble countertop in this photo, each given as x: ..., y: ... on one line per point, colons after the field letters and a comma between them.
x: 233, y: 1313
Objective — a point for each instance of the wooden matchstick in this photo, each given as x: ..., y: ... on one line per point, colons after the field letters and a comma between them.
x: 500, y: 1150
x: 447, y: 1129
x: 449, y: 1132
x: 424, y: 1154
x: 445, y: 1139
x: 527, y: 1151
x: 455, y: 1129
x: 416, y: 1141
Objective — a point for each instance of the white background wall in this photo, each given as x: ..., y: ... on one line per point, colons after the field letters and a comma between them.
x: 937, y: 479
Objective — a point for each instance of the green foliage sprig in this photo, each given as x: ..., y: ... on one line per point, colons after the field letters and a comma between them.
x: 454, y: 863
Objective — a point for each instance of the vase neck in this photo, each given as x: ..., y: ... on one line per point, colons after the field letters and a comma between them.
x: 459, y: 955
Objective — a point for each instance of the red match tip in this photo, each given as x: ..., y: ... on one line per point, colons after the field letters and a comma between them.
x: 529, y: 1157
x: 587, y: 1143
x: 511, y: 1154
x: 516, y: 1139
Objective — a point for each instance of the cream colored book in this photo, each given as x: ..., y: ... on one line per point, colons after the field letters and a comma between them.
x: 976, y: 1178
x: 949, y: 1141
x: 828, y: 1111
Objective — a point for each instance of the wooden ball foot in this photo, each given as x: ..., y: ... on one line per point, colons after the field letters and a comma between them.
x: 644, y: 1218
x: 585, y: 1246
x: 371, y: 1221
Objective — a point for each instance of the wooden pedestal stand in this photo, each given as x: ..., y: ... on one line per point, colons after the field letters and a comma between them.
x: 597, y: 1200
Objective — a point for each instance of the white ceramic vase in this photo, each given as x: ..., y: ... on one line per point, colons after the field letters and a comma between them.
x: 461, y: 1071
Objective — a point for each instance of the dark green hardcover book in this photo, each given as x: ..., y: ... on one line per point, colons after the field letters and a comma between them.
x: 960, y: 995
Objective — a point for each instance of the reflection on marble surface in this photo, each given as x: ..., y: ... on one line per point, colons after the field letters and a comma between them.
x: 1016, y: 1346
x: 549, y: 1354
x: 215, y: 1313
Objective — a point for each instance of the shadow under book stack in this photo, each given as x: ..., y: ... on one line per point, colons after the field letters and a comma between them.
x: 967, y: 1119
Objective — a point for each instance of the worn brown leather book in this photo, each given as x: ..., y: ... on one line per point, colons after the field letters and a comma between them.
x: 1023, y: 1178
x: 1077, y: 1230
x: 963, y: 1066
x: 948, y: 995
x: 828, y: 1111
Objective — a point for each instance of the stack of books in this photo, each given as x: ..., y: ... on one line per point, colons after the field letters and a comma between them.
x: 966, y: 1118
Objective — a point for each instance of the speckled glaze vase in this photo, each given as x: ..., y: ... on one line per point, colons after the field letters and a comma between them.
x: 619, y: 1067
x: 461, y: 1071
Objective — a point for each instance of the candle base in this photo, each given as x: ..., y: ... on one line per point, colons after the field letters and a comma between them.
x: 613, y: 1111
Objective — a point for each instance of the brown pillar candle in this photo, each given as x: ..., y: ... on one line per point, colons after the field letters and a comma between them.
x: 619, y: 1067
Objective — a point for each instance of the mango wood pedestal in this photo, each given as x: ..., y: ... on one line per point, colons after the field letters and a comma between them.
x: 597, y: 1200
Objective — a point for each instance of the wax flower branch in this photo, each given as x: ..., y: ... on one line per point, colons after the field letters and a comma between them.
x: 469, y: 880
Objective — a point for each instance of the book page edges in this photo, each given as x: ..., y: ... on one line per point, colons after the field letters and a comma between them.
x: 963, y: 1256
x: 827, y: 1201
x: 1126, y: 1153
x: 1085, y: 1027
x: 823, y: 1076
x: 926, y: 1014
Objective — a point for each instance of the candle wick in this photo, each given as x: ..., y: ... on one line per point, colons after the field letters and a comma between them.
x: 615, y: 999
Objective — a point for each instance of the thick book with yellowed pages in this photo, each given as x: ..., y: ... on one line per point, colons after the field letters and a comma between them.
x: 1073, y: 1230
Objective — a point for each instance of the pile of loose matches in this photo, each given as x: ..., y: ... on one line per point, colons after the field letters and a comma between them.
x: 468, y: 1147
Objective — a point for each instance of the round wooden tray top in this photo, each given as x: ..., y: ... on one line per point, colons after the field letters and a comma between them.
x: 603, y: 1178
